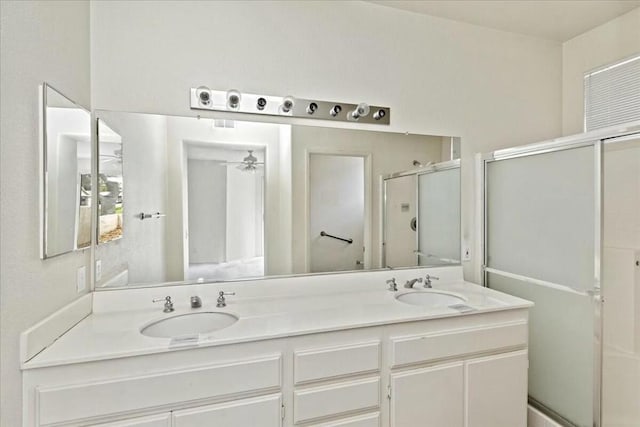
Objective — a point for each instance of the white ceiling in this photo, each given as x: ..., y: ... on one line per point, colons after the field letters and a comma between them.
x: 558, y: 20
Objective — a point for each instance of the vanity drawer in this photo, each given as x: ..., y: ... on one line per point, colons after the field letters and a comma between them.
x: 163, y: 420
x: 336, y: 399
x: 414, y: 349
x: 107, y: 397
x: 262, y: 411
x: 367, y: 420
x: 323, y: 363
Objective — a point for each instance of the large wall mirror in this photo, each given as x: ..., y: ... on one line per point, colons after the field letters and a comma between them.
x: 66, y: 195
x: 215, y: 200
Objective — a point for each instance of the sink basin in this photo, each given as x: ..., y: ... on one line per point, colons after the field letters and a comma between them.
x: 430, y: 298
x: 189, y: 324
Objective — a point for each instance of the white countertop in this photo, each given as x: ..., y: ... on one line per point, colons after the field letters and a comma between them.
x: 265, y: 311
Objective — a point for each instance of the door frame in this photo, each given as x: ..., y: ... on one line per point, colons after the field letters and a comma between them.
x: 368, y: 200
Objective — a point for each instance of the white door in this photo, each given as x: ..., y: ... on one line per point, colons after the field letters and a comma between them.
x: 429, y: 397
x: 265, y: 411
x: 497, y: 390
x: 207, y: 186
x: 400, y: 239
x: 337, y: 208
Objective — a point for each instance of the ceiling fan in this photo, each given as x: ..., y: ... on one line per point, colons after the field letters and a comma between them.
x: 249, y: 164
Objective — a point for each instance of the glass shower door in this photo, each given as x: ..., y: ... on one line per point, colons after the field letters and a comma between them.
x: 542, y: 226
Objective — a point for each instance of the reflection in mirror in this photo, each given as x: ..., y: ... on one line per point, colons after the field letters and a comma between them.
x: 422, y: 212
x: 110, y: 184
x: 217, y: 200
x: 66, y: 174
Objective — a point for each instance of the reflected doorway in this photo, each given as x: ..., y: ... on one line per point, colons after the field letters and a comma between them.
x: 337, y: 212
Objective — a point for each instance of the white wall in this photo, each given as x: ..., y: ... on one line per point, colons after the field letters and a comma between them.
x: 494, y: 89
x: 612, y: 41
x: 39, y: 41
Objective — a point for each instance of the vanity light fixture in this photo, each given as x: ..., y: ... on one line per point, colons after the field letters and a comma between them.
x: 311, y: 108
x: 378, y: 115
x: 287, y: 104
x: 362, y: 110
x: 233, y: 99
x: 203, y: 98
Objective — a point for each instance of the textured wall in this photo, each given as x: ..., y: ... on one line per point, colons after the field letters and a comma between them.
x: 40, y: 41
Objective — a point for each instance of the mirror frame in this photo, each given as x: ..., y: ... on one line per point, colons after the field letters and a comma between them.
x: 42, y: 169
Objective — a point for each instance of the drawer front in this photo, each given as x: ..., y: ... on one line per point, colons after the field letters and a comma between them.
x: 163, y: 420
x: 368, y: 420
x: 324, y: 363
x: 336, y: 399
x: 262, y: 411
x: 442, y: 345
x: 133, y: 393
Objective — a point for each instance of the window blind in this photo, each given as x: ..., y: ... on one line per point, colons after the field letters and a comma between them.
x: 612, y: 94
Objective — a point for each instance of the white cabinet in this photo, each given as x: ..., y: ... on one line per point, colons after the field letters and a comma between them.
x: 431, y: 396
x: 162, y: 420
x: 497, y: 390
x: 467, y: 371
x: 262, y: 411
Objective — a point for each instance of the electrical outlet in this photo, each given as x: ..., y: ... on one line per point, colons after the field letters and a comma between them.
x: 466, y: 255
x: 98, y: 270
x: 81, y: 279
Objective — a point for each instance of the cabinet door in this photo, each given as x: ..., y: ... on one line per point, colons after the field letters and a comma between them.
x: 497, y: 390
x: 431, y: 396
x: 264, y: 411
x: 162, y: 420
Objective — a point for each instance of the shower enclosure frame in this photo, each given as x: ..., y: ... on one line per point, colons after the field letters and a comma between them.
x: 432, y: 168
x: 597, y: 139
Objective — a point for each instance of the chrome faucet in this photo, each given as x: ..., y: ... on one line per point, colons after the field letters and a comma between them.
x: 168, y: 304
x: 196, y: 302
x: 412, y: 282
x: 221, y: 301
x: 428, y: 279
x: 393, y: 286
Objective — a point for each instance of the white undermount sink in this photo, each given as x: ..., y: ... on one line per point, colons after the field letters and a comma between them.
x: 430, y: 298
x: 189, y: 324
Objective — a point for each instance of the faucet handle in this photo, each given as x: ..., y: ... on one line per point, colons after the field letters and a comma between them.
x: 428, y: 279
x: 393, y: 286
x: 168, y: 304
x: 221, y: 302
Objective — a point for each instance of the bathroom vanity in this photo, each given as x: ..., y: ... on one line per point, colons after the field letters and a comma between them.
x: 328, y: 350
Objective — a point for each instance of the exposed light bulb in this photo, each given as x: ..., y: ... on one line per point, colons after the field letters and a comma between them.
x: 379, y: 114
x: 204, y: 95
x: 361, y: 111
x: 233, y: 99
x: 335, y: 110
x: 287, y: 104
x: 311, y: 108
x: 261, y: 103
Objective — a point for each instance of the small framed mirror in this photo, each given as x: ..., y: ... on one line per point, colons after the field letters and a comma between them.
x: 66, y: 159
